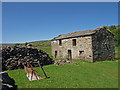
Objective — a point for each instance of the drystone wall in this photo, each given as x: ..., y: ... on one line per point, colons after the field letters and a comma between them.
x: 103, y: 45
x: 15, y: 57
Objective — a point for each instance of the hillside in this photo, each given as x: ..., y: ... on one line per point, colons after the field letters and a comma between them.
x: 42, y: 45
x: 82, y: 74
x: 7, y: 44
x: 46, y: 45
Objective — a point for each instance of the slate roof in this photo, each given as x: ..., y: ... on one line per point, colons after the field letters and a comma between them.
x: 77, y: 34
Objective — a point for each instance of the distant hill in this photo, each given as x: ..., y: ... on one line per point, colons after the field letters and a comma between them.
x: 7, y: 44
x: 44, y: 43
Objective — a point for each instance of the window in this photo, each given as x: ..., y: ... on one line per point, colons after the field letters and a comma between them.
x: 80, y: 52
x: 74, y: 42
x: 60, y: 42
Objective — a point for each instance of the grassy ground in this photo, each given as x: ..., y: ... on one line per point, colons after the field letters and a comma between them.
x: 47, y: 49
x: 41, y: 43
x: 80, y: 75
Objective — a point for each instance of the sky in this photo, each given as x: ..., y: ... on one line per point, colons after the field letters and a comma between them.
x: 36, y: 21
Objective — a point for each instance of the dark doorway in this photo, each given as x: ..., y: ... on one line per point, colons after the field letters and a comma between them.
x: 55, y: 54
x: 69, y: 55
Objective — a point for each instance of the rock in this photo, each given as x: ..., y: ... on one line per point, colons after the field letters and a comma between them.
x: 62, y: 62
x: 14, y: 57
x: 6, y: 81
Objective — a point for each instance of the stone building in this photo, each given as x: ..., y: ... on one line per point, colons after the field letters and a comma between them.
x: 90, y: 45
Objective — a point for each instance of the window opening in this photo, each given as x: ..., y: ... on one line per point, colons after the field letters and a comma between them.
x: 60, y: 42
x: 74, y: 42
x: 80, y: 52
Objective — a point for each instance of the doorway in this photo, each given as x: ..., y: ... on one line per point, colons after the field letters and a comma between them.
x: 55, y: 54
x: 69, y: 55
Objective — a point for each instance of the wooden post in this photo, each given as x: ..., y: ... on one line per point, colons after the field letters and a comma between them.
x: 43, y: 70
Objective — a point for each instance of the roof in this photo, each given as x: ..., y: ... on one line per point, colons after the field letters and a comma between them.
x: 77, y: 34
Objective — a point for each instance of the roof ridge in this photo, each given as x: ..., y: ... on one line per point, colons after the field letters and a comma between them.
x: 78, y: 33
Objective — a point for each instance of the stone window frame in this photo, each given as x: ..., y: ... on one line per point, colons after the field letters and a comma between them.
x: 74, y: 42
x: 60, y: 42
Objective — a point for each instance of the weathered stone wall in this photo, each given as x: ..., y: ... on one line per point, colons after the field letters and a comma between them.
x: 103, y: 45
x: 15, y: 57
x: 82, y: 50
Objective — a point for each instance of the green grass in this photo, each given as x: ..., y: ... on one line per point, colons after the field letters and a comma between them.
x: 117, y: 55
x: 84, y: 74
x: 80, y: 75
x: 41, y: 43
x: 47, y: 49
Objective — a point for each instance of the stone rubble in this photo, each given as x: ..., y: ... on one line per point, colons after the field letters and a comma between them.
x: 6, y: 81
x: 62, y: 62
x: 14, y: 57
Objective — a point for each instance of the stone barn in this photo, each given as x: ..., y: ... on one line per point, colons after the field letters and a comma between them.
x: 90, y: 45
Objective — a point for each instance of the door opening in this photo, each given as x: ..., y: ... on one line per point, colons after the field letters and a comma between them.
x: 69, y: 55
x: 55, y: 54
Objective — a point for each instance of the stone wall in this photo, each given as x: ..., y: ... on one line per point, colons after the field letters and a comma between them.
x: 82, y: 50
x: 103, y: 45
x: 15, y: 57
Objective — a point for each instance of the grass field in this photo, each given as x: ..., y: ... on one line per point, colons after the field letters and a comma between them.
x: 81, y: 75
x: 47, y: 49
